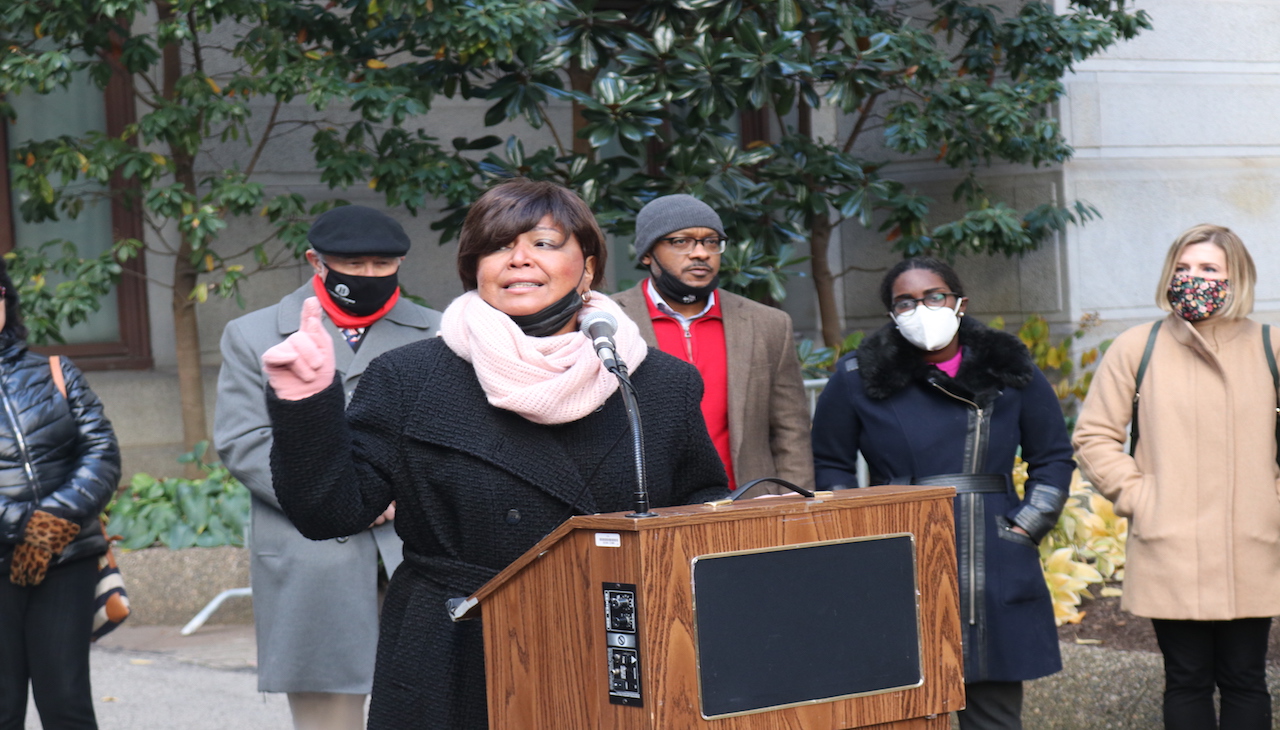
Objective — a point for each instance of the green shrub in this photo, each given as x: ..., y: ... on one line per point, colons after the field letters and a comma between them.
x: 818, y: 362
x: 181, y: 513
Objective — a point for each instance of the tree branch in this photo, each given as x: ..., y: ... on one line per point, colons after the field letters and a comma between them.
x: 195, y: 41
x: 266, y: 134
x: 248, y: 249
x: 144, y: 277
x: 851, y: 269
x: 149, y: 102
x: 169, y: 250
x: 559, y: 145
x: 863, y: 113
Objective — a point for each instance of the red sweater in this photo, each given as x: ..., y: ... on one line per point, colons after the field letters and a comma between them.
x: 702, y: 344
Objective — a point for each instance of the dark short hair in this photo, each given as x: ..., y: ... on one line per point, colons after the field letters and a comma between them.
x: 928, y: 263
x: 515, y: 206
x: 13, y: 326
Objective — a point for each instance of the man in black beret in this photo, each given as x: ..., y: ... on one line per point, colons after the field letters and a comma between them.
x: 315, y: 604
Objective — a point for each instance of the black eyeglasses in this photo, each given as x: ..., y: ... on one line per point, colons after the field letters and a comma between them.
x: 932, y: 300
x: 685, y: 246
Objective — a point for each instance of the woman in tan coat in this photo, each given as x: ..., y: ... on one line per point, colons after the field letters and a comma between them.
x: 1201, y: 486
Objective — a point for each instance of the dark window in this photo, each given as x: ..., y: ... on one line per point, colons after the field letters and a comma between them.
x: 118, y: 336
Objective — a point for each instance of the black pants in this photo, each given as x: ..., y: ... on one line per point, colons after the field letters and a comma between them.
x: 1201, y: 654
x: 44, y: 639
x: 991, y: 706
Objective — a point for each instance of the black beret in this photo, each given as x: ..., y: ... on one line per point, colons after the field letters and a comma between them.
x: 354, y: 230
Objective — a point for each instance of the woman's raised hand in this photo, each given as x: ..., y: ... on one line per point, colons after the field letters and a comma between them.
x: 303, y: 364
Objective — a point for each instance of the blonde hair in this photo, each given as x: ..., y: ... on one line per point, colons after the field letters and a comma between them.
x: 1240, y: 270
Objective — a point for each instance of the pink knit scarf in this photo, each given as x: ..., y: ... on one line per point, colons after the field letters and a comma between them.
x: 547, y: 380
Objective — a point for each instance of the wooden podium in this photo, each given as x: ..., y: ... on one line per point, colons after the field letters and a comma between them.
x: 789, y: 613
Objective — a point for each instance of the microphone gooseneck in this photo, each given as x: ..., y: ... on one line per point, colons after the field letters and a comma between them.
x: 600, y: 327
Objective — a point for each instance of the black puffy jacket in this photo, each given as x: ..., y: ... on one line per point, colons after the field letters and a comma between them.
x: 56, y: 454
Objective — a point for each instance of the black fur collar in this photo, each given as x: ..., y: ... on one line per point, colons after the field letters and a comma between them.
x: 992, y: 360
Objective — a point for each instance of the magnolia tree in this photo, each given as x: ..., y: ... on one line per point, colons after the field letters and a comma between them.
x: 667, y: 96
x: 214, y: 74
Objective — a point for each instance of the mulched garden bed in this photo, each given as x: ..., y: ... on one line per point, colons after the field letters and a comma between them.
x: 1108, y: 627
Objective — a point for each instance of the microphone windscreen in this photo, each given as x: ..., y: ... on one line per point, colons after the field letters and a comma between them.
x: 598, y: 324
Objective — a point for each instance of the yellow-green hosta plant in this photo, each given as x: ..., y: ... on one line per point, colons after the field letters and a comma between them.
x: 1068, y: 579
x: 1085, y: 547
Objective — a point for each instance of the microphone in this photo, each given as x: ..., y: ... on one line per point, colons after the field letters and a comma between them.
x: 599, y: 327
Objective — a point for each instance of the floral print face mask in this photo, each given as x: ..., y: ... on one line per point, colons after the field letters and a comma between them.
x: 1195, y: 299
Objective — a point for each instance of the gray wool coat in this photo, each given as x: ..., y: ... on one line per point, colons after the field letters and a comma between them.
x: 314, y: 602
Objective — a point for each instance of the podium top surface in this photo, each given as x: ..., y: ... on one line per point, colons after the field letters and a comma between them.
x: 786, y: 504
x: 669, y: 517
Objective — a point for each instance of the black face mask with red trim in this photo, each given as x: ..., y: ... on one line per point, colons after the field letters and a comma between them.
x: 360, y: 295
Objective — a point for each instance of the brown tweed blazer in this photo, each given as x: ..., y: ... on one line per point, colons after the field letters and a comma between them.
x: 768, y: 410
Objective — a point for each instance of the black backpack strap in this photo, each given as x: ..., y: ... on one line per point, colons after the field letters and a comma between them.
x: 1275, y: 380
x: 1137, y: 384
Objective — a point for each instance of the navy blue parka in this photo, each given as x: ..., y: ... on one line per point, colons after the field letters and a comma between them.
x: 911, y: 421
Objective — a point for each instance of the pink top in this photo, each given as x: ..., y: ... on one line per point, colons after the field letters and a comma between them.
x: 952, y: 366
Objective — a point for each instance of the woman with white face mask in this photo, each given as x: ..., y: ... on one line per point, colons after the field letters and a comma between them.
x: 935, y: 397
x: 1200, y: 485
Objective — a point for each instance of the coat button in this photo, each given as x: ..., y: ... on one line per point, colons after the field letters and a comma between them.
x: 513, y: 516
x: 342, y: 540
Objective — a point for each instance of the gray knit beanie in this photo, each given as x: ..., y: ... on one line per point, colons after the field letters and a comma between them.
x: 672, y: 213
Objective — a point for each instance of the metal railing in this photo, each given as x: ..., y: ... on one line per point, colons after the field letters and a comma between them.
x: 812, y: 387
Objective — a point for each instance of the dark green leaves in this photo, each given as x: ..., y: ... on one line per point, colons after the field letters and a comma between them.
x: 181, y: 513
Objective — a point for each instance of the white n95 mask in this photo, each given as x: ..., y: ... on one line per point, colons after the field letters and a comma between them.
x: 929, y: 329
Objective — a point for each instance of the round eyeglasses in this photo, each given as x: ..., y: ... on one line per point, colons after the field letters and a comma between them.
x: 932, y: 300
x: 685, y: 246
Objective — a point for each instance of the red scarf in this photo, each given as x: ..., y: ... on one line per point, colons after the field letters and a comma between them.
x: 346, y: 320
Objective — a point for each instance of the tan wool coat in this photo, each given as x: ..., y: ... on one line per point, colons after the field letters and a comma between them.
x: 768, y: 409
x: 1201, y: 491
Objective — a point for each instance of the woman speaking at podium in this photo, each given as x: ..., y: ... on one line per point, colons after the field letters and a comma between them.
x: 486, y: 438
x: 934, y: 398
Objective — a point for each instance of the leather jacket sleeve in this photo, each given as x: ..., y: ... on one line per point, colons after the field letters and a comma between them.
x: 13, y: 519
x: 93, y: 481
x: 1047, y: 451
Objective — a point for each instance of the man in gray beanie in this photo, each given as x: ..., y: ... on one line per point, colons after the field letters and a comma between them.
x: 315, y: 603
x: 753, y: 399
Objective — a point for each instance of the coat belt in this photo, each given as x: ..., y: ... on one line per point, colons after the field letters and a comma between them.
x: 964, y: 483
x: 459, y: 577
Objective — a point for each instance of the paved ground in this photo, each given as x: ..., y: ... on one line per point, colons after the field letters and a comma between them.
x: 151, y: 678
x: 1106, y: 689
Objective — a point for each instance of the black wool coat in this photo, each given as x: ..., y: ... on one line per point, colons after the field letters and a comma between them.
x: 57, y: 454
x: 475, y: 487
x: 911, y: 421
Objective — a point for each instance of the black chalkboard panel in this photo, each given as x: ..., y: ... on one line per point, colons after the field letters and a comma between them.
x: 806, y: 623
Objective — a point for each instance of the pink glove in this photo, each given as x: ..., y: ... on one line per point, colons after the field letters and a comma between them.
x: 302, y: 365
